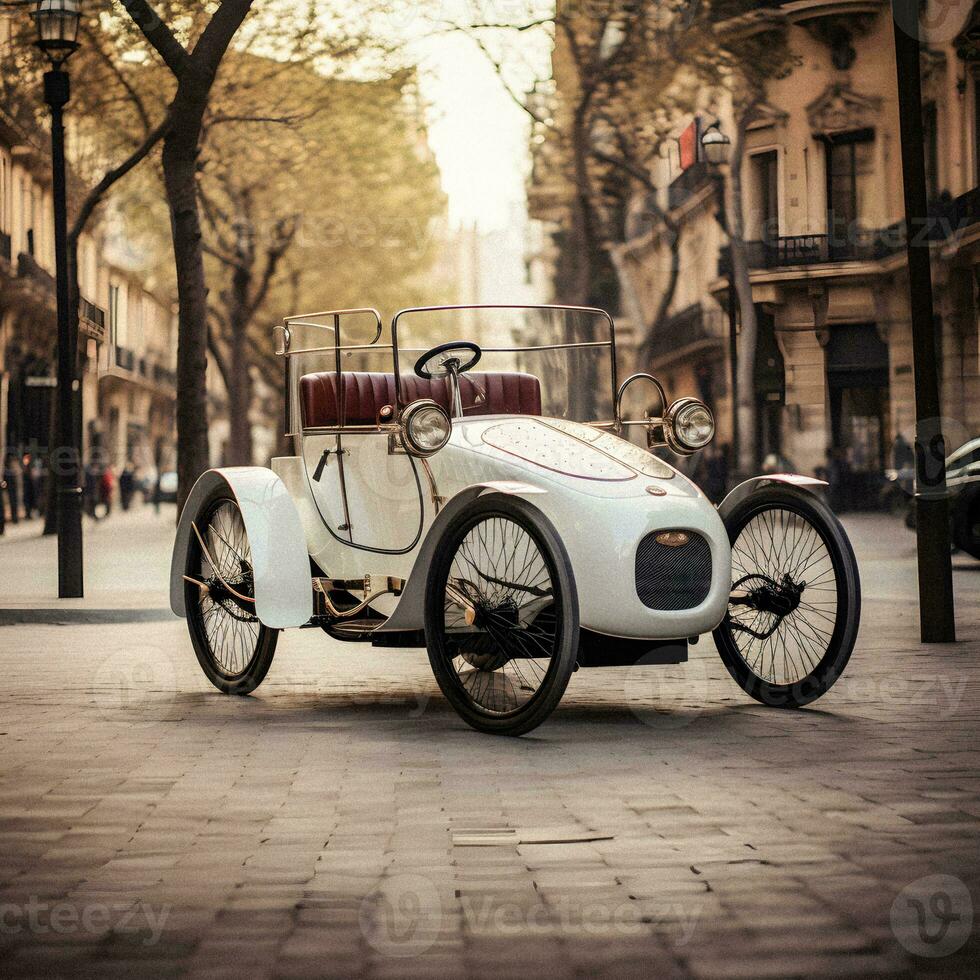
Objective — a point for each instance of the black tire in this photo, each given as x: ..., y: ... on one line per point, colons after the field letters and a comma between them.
x: 233, y: 648
x: 966, y: 521
x: 815, y: 638
x: 522, y: 564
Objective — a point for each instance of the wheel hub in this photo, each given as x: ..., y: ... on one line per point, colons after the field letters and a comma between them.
x: 766, y: 595
x: 497, y: 614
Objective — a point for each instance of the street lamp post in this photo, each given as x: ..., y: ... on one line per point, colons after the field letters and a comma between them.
x: 937, y: 622
x: 57, y: 32
x: 717, y: 150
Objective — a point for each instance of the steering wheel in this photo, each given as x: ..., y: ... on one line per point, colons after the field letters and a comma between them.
x: 435, y: 363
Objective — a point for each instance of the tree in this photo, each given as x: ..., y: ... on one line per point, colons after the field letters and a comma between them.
x: 750, y: 58
x: 194, y: 68
x: 273, y: 247
x: 601, y: 122
x: 263, y: 230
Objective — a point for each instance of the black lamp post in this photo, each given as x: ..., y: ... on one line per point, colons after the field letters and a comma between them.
x: 716, y: 149
x: 937, y: 622
x: 57, y: 32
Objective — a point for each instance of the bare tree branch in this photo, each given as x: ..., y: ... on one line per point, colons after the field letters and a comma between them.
x: 120, y: 76
x: 97, y: 193
x: 158, y: 34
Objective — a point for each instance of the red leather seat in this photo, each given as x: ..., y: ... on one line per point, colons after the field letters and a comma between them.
x: 366, y: 393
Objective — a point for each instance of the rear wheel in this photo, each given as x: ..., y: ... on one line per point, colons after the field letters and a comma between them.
x: 233, y: 648
x: 795, y: 603
x: 966, y: 521
x: 501, y: 616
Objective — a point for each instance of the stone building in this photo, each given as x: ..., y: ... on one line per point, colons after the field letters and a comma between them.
x: 822, y: 196
x: 127, y: 334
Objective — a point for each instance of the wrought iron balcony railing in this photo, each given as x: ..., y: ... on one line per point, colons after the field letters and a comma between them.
x: 687, y: 183
x: 796, y: 250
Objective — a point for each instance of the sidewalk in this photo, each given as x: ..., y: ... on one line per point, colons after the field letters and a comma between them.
x: 324, y: 827
x: 126, y: 569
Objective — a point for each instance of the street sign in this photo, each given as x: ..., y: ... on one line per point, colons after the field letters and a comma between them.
x: 40, y: 382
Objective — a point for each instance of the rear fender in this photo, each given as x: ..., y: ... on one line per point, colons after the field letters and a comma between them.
x: 739, y: 493
x: 410, y: 612
x: 280, y: 560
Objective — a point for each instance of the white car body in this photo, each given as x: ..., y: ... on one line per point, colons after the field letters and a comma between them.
x: 363, y: 508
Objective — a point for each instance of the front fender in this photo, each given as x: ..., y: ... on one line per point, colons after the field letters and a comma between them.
x: 410, y: 612
x: 739, y: 493
x: 280, y: 561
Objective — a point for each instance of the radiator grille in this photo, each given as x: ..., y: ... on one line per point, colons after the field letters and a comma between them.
x: 673, y: 578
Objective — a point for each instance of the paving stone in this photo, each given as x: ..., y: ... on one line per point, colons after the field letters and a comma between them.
x: 307, y: 830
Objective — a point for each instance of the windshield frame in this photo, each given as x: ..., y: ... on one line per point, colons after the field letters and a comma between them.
x: 517, y: 348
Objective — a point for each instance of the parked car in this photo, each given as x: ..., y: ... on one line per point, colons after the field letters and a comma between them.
x: 500, y: 518
x: 963, y: 487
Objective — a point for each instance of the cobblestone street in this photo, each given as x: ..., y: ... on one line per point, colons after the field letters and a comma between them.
x: 660, y: 824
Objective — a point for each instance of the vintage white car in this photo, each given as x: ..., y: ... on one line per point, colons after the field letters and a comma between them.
x: 480, y: 500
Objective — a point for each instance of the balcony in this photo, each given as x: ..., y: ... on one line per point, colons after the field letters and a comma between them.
x: 953, y: 216
x: 688, y: 183
x: 790, y: 251
x: 691, y: 326
x: 164, y: 376
x: 139, y: 366
x: 125, y: 359
x: 93, y: 319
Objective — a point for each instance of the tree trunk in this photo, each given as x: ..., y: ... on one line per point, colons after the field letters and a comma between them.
x: 632, y: 304
x: 195, y: 74
x: 180, y: 152
x: 584, y: 247
x: 748, y: 336
x: 240, y: 390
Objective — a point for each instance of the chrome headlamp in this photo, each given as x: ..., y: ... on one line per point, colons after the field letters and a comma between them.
x: 688, y: 426
x: 426, y: 427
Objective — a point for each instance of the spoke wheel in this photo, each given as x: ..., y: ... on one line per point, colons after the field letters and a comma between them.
x: 795, y: 605
x: 233, y: 647
x: 501, y: 616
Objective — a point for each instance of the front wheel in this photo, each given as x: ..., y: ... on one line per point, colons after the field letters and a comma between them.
x: 795, y: 602
x: 501, y: 622
x: 234, y: 649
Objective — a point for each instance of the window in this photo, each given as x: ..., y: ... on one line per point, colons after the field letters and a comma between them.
x: 4, y: 191
x: 765, y: 170
x: 113, y: 314
x: 850, y: 166
x: 930, y: 142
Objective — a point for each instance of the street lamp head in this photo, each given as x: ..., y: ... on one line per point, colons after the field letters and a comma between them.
x: 716, y: 145
x: 57, y: 28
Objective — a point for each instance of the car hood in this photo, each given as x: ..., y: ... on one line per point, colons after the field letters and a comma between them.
x: 558, y: 451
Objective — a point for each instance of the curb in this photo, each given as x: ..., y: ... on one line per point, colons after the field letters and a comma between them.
x: 83, y: 617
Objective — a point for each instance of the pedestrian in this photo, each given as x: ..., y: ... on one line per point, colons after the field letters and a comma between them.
x: 903, y: 456
x: 31, y: 490
x: 12, y: 476
x: 127, y: 485
x: 91, y: 490
x: 107, y: 488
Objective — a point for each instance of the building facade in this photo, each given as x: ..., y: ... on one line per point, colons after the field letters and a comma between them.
x: 127, y: 346
x: 822, y: 197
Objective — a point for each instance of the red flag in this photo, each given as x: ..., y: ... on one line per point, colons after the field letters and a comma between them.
x: 689, y: 145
